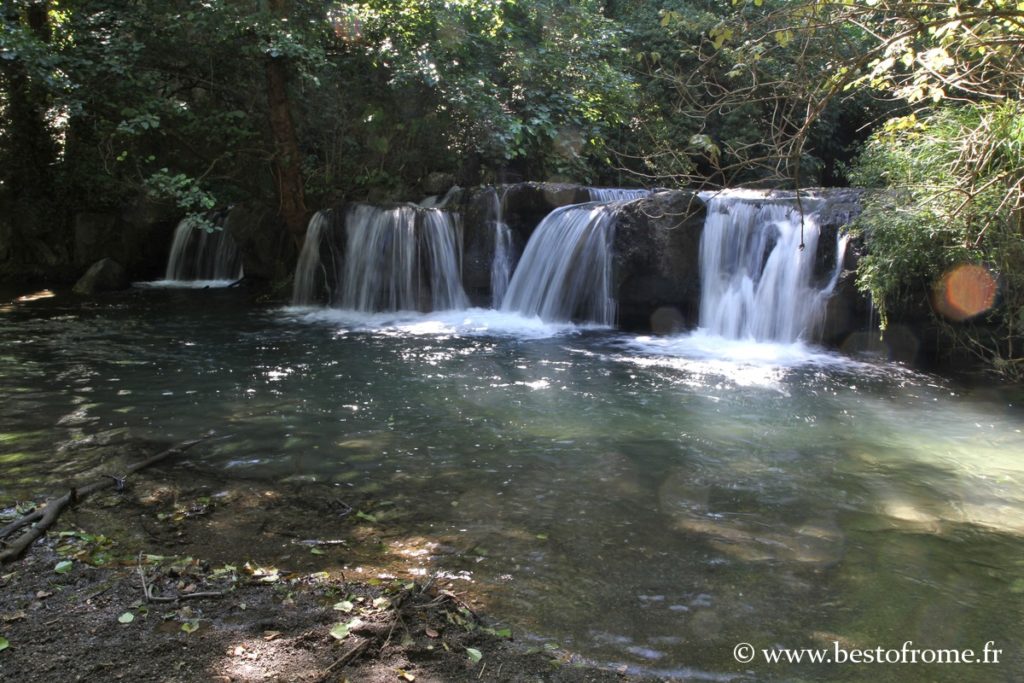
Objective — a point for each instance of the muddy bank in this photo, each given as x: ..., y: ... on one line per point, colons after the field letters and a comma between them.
x: 191, y: 578
x: 260, y: 624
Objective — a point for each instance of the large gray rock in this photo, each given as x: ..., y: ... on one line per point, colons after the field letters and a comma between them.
x: 476, y: 211
x: 526, y: 204
x: 106, y: 275
x: 656, y: 262
x: 138, y: 237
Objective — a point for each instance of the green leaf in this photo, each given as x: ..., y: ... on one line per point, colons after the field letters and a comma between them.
x: 474, y: 654
x: 719, y: 35
x: 190, y: 626
x: 316, y: 551
x: 63, y: 567
x: 126, y: 618
x: 341, y: 631
x: 362, y: 515
x: 344, y: 606
x: 500, y: 633
x: 4, y: 643
x: 784, y: 38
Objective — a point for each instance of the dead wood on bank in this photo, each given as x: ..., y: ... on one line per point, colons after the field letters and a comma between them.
x: 42, y: 519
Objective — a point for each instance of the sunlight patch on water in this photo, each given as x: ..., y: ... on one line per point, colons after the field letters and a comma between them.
x: 468, y: 322
x: 708, y: 359
x: 708, y: 347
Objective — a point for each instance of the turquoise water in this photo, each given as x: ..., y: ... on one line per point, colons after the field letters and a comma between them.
x: 645, y: 503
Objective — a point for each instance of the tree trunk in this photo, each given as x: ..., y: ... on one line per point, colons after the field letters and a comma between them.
x: 287, y: 161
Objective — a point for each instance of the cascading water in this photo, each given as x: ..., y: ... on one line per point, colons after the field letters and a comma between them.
x: 756, y: 276
x: 309, y: 266
x: 566, y: 270
x: 616, y: 194
x: 503, y: 262
x: 382, y: 260
x: 198, y: 254
x: 441, y: 243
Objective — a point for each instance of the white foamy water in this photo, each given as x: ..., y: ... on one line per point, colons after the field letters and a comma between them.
x: 468, y: 322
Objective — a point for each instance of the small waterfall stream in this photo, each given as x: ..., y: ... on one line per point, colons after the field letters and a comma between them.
x: 503, y: 262
x: 380, y: 259
x: 198, y: 254
x: 398, y: 258
x: 616, y: 194
x: 756, y: 279
x: 442, y: 245
x: 304, y: 290
x: 566, y: 270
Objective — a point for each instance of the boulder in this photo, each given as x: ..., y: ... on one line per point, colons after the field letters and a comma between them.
x: 656, y: 262
x: 526, y: 204
x: 477, y: 211
x: 106, y: 275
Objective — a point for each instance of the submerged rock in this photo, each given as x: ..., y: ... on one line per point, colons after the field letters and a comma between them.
x: 106, y: 275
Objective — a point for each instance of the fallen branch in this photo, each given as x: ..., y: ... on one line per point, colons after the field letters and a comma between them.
x: 44, y: 519
x: 33, y: 516
x: 345, y: 659
x: 147, y: 590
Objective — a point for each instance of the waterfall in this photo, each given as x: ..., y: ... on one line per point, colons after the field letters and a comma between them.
x: 442, y: 244
x: 503, y: 263
x: 382, y: 269
x: 198, y: 254
x: 566, y: 270
x: 756, y: 280
x: 616, y: 194
x: 381, y: 258
x: 304, y: 291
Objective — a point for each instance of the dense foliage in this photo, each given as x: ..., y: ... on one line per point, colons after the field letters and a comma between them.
x: 952, y: 167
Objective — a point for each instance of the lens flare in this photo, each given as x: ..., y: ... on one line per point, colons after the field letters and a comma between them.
x: 965, y: 291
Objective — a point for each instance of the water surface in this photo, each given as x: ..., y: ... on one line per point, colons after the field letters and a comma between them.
x: 643, y: 502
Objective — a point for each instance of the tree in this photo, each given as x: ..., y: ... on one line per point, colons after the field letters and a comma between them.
x: 287, y: 161
x: 27, y: 149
